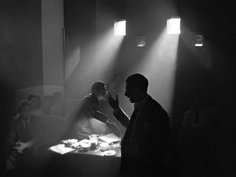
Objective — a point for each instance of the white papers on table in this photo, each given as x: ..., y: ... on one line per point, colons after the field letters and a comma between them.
x: 110, y: 138
x: 61, y: 149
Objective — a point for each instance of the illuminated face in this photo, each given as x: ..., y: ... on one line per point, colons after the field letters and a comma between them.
x: 101, y: 94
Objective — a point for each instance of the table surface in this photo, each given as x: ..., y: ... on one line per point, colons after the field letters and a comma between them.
x: 98, y: 150
x: 90, y: 163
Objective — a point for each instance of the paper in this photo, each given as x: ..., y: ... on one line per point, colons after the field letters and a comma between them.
x: 110, y: 138
x: 61, y: 149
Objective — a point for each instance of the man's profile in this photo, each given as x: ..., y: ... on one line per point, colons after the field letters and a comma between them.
x: 145, y: 140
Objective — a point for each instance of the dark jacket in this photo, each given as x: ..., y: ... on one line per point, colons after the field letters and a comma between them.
x: 146, y: 138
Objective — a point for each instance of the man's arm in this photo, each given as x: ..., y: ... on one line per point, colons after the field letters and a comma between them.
x: 122, y: 117
x: 117, y: 111
x: 101, y: 116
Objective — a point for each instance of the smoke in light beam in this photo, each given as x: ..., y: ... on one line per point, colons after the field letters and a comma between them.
x: 106, y: 49
x: 159, y: 66
x: 95, y: 63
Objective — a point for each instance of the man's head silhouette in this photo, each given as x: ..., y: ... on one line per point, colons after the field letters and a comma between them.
x: 136, y: 87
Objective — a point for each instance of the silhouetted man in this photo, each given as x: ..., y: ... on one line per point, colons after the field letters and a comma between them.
x: 146, y: 136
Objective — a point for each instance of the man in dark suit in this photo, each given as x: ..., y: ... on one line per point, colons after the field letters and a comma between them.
x: 145, y: 141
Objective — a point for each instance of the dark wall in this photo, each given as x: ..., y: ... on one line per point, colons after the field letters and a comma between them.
x: 80, y: 29
x: 209, y: 72
x: 20, y: 57
x: 85, y: 22
x: 21, y: 42
x: 212, y: 67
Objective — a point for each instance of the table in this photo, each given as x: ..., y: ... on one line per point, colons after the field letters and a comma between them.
x: 91, y: 163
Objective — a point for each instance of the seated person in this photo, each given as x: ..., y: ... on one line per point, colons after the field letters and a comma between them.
x: 20, y: 140
x: 58, y: 107
x: 35, y: 106
x: 89, y: 120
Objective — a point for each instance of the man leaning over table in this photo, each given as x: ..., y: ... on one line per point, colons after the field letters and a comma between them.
x: 145, y: 141
x: 89, y: 119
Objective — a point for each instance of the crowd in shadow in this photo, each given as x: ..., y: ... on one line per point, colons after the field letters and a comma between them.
x: 37, y: 124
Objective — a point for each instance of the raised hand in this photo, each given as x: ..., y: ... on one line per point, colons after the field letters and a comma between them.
x: 113, y: 102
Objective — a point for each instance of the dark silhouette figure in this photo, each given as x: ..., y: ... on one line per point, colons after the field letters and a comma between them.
x: 58, y: 107
x: 145, y: 141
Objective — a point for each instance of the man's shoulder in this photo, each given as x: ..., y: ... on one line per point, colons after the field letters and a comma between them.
x: 154, y: 107
x: 90, y: 98
x: 152, y: 103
